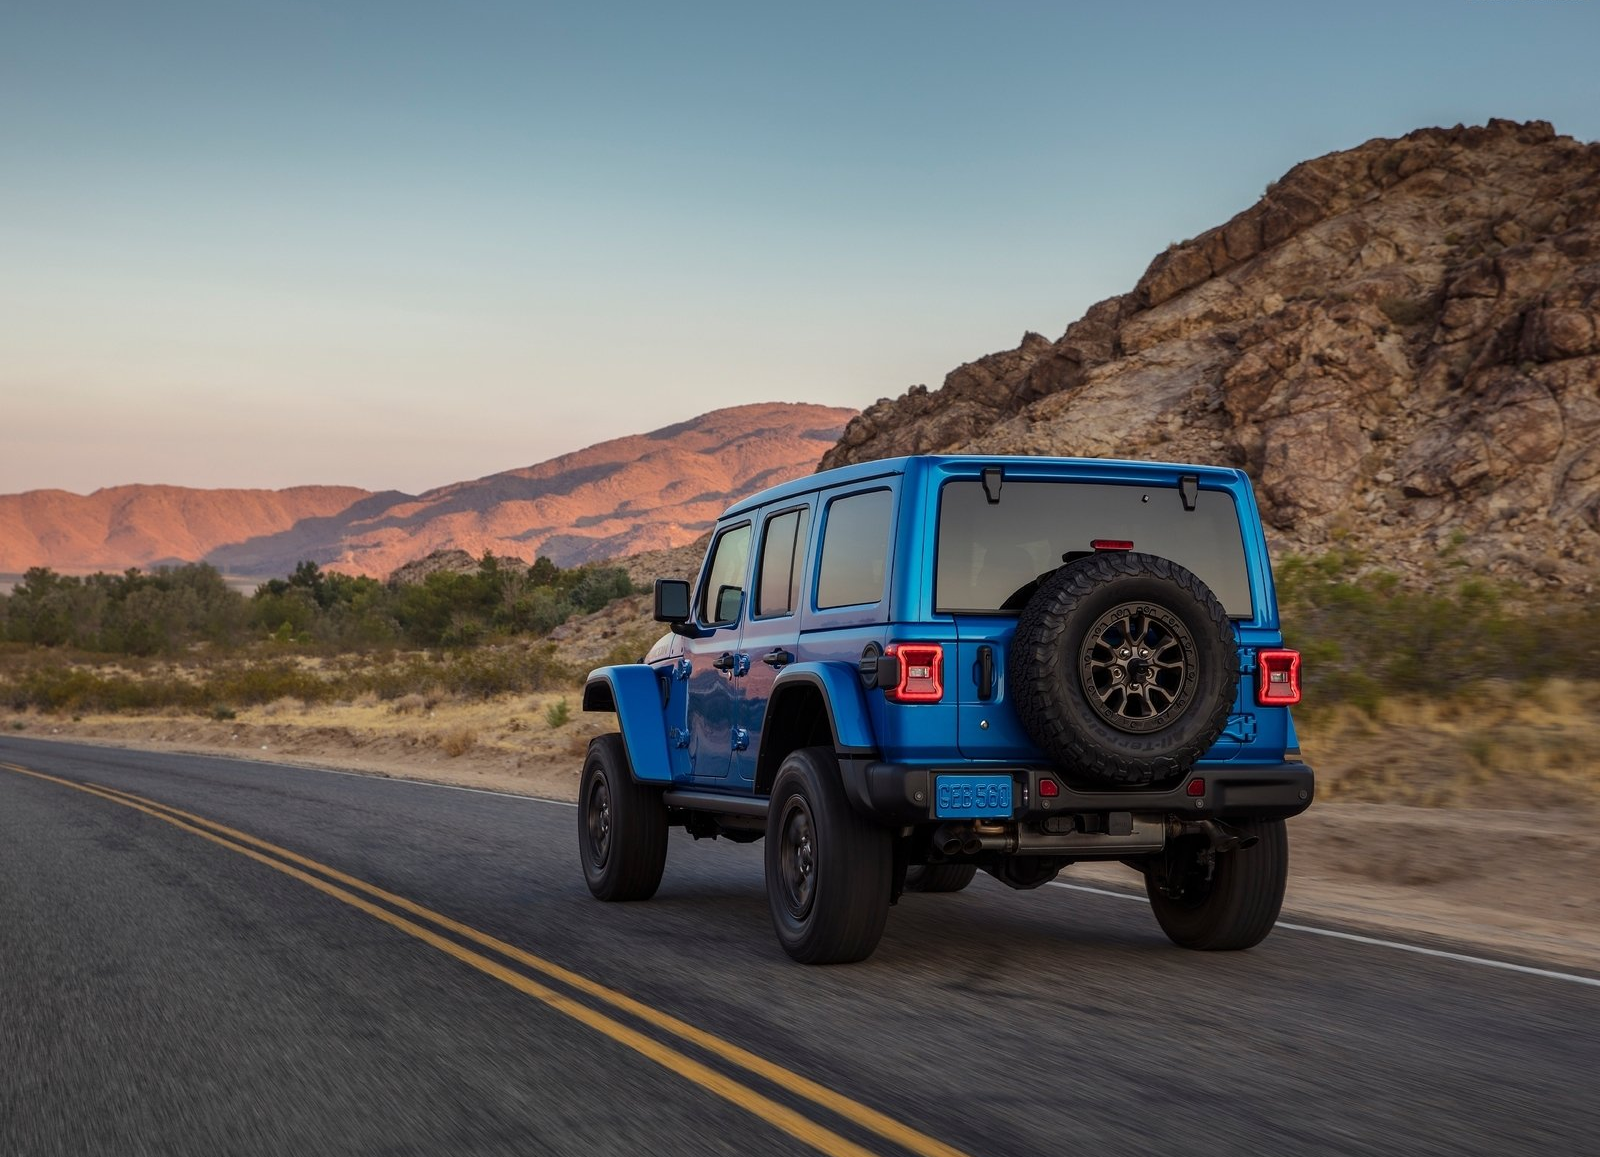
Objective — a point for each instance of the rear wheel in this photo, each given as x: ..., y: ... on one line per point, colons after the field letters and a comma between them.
x: 939, y: 877
x: 1221, y: 901
x: 622, y: 825
x: 828, y: 867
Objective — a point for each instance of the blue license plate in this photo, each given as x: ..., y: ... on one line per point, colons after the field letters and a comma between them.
x: 971, y: 796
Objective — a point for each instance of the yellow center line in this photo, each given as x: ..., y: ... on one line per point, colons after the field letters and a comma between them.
x: 780, y: 1116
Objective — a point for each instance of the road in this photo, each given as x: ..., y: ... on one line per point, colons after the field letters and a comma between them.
x: 358, y: 965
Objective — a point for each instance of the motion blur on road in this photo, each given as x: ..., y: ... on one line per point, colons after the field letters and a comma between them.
x: 204, y: 956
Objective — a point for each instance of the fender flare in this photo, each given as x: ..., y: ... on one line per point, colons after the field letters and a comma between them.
x: 839, y: 687
x: 632, y: 691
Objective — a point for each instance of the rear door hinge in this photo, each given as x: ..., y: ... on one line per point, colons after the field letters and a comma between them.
x: 1241, y: 728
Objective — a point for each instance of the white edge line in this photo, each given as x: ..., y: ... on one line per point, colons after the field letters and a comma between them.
x: 1397, y: 945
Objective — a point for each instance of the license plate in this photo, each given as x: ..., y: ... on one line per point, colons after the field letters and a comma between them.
x: 971, y: 796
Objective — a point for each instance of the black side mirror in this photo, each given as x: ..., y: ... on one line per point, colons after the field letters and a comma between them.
x: 672, y: 601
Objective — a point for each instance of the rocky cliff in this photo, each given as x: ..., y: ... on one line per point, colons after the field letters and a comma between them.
x: 1400, y: 342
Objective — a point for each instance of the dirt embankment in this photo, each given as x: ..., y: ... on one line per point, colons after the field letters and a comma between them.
x: 1513, y: 880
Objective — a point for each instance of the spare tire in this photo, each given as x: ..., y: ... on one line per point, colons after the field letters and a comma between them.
x: 1123, y: 669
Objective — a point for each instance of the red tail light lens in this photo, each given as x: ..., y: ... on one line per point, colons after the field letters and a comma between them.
x: 1278, y: 678
x: 921, y: 673
x: 1112, y: 543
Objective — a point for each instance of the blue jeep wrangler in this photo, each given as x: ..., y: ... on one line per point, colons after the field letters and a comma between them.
x: 903, y: 671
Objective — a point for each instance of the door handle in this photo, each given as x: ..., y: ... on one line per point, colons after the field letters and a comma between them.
x: 777, y: 657
x: 985, y: 673
x: 723, y: 662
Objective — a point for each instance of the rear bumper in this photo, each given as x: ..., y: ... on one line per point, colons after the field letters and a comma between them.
x: 895, y: 793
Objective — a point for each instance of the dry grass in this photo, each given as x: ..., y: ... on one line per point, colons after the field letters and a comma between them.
x: 458, y: 741
x: 1503, y: 745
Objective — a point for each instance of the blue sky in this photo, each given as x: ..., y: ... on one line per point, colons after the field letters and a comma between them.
x: 398, y: 245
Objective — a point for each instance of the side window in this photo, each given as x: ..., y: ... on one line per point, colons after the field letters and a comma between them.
x: 855, y: 549
x: 723, y: 595
x: 783, y: 549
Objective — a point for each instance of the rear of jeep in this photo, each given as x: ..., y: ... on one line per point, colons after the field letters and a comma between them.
x: 1070, y: 660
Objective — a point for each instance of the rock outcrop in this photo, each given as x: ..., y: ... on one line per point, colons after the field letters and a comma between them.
x: 1400, y: 342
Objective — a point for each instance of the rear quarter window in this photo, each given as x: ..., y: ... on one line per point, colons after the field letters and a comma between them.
x: 855, y: 549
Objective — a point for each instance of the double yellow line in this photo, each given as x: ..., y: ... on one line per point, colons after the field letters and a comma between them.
x: 780, y: 1116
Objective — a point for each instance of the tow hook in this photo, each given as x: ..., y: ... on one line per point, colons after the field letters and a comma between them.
x: 1218, y: 835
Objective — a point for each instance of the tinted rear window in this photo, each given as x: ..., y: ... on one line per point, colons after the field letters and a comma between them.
x: 855, y: 549
x: 989, y: 554
x: 782, y: 554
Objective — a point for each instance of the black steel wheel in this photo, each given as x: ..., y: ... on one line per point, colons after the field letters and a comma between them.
x: 1123, y: 669
x: 1220, y: 901
x: 622, y: 825
x: 939, y: 877
x: 828, y: 868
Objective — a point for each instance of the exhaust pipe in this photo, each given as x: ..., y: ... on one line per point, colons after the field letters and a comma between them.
x: 950, y: 840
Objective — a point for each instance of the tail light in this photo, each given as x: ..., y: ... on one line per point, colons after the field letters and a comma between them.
x: 1278, y: 681
x: 921, y: 676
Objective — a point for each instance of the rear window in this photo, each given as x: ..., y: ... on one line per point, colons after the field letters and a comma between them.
x: 991, y: 556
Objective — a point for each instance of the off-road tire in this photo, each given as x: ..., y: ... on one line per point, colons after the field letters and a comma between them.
x: 1239, y: 905
x: 1061, y: 667
x: 828, y: 867
x: 939, y: 877
x: 622, y: 825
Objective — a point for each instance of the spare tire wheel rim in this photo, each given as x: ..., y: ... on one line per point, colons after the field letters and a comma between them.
x: 1138, y: 667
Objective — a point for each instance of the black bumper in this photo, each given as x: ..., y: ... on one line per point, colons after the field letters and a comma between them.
x: 894, y: 793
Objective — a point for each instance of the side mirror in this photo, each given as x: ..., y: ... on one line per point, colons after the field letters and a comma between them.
x: 672, y: 601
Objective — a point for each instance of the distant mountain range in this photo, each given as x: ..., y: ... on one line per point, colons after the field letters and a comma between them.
x: 645, y: 492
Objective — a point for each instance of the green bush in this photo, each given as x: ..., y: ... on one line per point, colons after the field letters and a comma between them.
x: 1365, y: 636
x: 173, y: 610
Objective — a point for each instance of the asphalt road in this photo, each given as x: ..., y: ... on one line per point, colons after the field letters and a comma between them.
x: 431, y: 976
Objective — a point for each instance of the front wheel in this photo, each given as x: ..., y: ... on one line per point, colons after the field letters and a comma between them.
x: 1221, y: 901
x: 622, y: 825
x: 828, y: 867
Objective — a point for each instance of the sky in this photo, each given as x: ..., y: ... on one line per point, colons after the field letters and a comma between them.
x: 400, y: 245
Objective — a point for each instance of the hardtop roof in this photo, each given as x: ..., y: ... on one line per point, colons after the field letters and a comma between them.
x: 1133, y: 471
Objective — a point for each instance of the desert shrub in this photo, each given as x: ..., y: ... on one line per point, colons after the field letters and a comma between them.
x: 1366, y: 637
x: 631, y: 649
x: 558, y: 714
x: 458, y: 742
x: 256, y: 683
